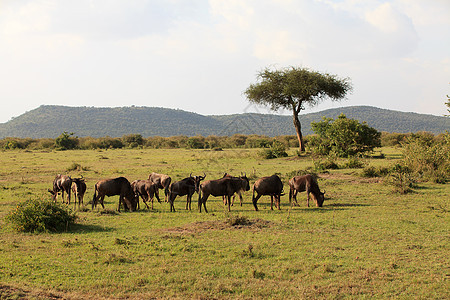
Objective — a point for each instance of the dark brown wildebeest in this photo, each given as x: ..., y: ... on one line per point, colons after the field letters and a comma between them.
x: 305, y: 183
x: 187, y: 186
x: 221, y: 187
x: 146, y: 190
x: 271, y: 186
x: 78, y: 189
x: 226, y: 175
x: 112, y: 187
x: 61, y: 183
x: 162, y: 181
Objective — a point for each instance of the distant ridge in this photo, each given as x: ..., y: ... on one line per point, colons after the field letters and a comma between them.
x: 49, y: 121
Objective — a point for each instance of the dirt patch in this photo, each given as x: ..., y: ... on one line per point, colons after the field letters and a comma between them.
x: 233, y: 224
x: 9, y: 292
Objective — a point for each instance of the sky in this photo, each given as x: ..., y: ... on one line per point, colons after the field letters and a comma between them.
x: 200, y: 55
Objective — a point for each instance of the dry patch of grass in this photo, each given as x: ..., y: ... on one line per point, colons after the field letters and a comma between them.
x: 232, y: 223
x: 9, y: 292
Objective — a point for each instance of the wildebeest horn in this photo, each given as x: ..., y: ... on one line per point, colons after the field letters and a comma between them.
x: 190, y: 174
x: 204, y: 175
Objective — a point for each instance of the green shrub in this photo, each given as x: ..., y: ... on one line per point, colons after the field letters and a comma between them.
x: 41, y: 216
x: 324, y: 164
x: 372, y: 171
x: 354, y: 162
x: 66, y: 142
x: 133, y: 140
x: 196, y: 142
x: 307, y: 171
x: 343, y: 137
x: 401, y: 178
x: 276, y: 150
x: 428, y: 158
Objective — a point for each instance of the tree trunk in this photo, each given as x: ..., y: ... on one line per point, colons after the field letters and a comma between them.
x: 298, y: 129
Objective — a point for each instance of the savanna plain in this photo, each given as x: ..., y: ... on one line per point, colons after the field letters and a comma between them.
x: 365, y: 242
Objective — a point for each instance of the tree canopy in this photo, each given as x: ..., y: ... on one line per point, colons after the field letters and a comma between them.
x: 293, y: 88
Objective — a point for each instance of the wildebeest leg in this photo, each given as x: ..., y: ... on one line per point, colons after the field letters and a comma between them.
x: 188, y: 201
x: 157, y: 196
x: 202, y: 201
x: 293, y: 197
x: 101, y: 201
x: 204, y: 205
x: 271, y: 202
x: 229, y: 202
x: 172, y: 197
x: 145, y: 199
x: 278, y: 200
x: 255, y: 200
x: 307, y: 198
x: 241, y: 198
x: 120, y: 201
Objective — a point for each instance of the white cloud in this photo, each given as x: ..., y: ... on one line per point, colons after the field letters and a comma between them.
x: 200, y: 55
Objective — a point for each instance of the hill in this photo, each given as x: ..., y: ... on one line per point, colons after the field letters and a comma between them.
x: 50, y: 121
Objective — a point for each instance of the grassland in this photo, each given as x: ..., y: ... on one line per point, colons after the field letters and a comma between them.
x: 366, y: 242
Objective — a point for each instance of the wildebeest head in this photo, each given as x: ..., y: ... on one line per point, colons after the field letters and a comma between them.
x: 197, y: 180
x: 320, y: 199
x: 54, y: 194
x: 245, y: 181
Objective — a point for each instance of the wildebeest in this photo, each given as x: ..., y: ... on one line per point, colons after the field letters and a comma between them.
x: 112, y: 187
x: 305, y: 183
x: 61, y: 183
x: 146, y: 190
x: 226, y: 175
x: 187, y: 186
x: 78, y: 189
x: 162, y: 181
x: 221, y: 187
x: 270, y: 185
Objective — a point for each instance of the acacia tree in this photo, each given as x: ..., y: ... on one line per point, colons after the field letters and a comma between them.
x: 292, y: 88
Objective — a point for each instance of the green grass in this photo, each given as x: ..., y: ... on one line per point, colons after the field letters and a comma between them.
x: 366, y: 242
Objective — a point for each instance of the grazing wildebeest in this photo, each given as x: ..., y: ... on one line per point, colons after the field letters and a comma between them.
x: 112, y: 187
x: 79, y: 189
x: 162, y: 181
x: 226, y: 175
x: 305, y: 183
x: 146, y: 190
x: 187, y: 186
x: 61, y: 183
x: 270, y: 185
x: 221, y: 187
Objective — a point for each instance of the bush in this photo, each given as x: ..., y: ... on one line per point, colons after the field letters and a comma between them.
x: 371, y: 171
x: 133, y: 140
x: 354, y: 162
x: 276, y: 150
x: 328, y: 163
x: 343, y: 137
x: 428, y: 158
x: 41, y: 216
x: 66, y: 142
x: 401, y: 178
x: 196, y: 142
x: 307, y: 171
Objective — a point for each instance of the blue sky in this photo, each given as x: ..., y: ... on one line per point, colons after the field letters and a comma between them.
x: 200, y: 55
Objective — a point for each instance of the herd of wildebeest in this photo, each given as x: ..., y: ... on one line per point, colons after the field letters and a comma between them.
x: 225, y: 187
